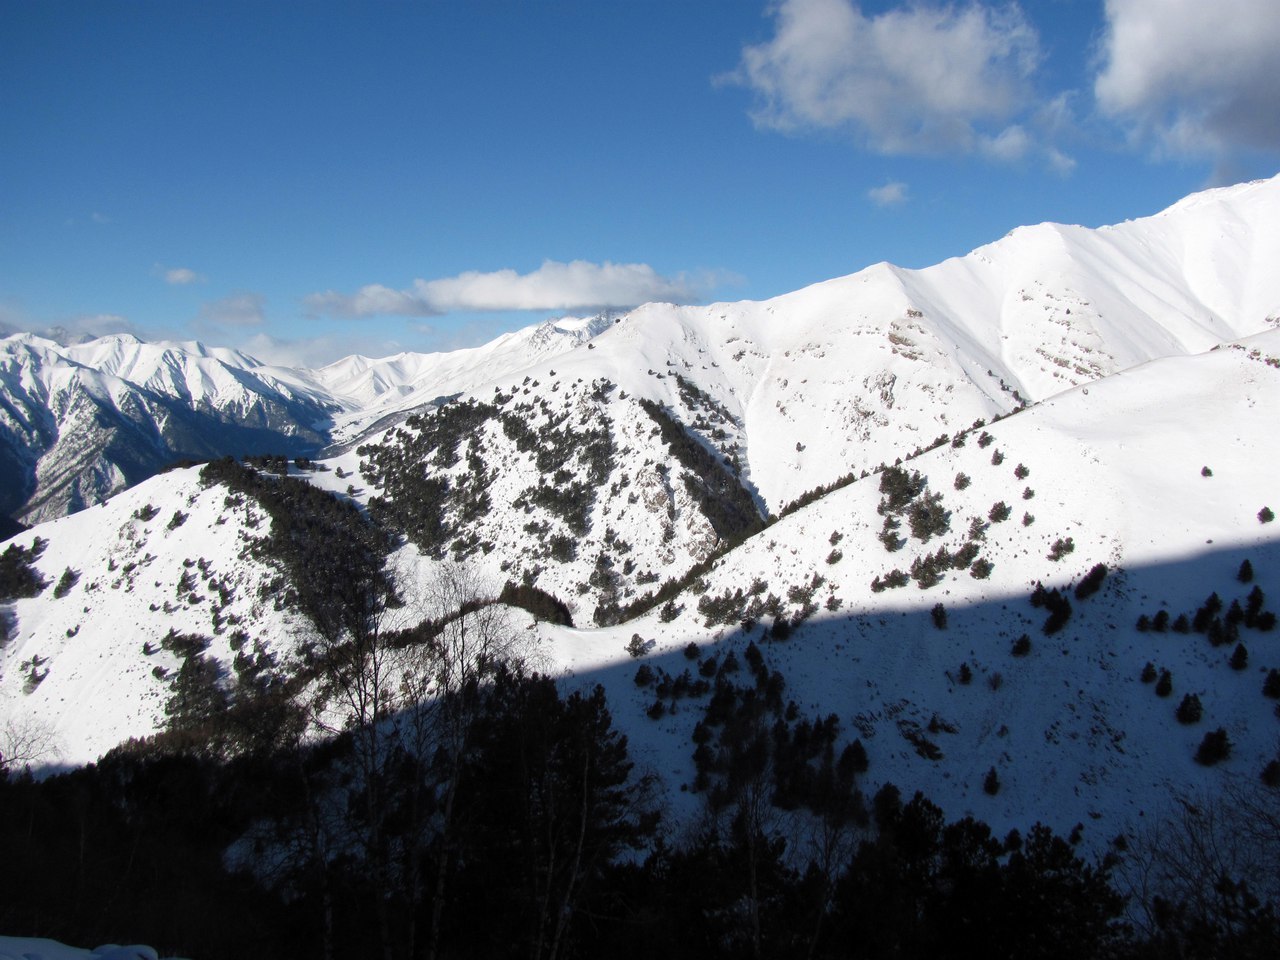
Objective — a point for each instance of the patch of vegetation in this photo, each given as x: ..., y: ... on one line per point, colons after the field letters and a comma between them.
x: 543, y: 605
x: 18, y: 578
x: 716, y: 490
x: 68, y: 580
x: 1091, y: 583
x: 329, y: 556
x: 1061, y: 547
x: 1214, y: 748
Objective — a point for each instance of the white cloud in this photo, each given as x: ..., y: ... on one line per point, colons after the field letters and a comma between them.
x: 73, y: 329
x: 1198, y: 77
x: 553, y: 286
x: 1059, y: 162
x: 89, y: 326
x: 237, y: 310
x: 97, y: 217
x: 919, y: 79
x: 313, y: 351
x: 181, y: 276
x: 890, y: 195
x: 1009, y: 145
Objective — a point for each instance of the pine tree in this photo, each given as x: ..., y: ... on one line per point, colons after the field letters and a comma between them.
x: 991, y: 782
x: 1214, y: 748
x: 1271, y: 685
x: 1189, y: 710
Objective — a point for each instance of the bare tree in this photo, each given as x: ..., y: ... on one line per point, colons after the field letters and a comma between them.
x: 1212, y: 854
x: 467, y: 635
x: 398, y: 678
x: 25, y: 741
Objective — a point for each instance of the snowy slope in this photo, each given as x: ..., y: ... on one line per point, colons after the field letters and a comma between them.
x: 1073, y: 732
x: 377, y: 390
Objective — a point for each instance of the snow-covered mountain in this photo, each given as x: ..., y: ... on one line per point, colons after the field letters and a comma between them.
x: 600, y: 460
x: 79, y: 423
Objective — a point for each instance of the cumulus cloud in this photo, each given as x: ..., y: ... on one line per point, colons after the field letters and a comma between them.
x: 1199, y: 78
x: 237, y: 310
x: 919, y: 79
x: 553, y: 286
x: 890, y: 195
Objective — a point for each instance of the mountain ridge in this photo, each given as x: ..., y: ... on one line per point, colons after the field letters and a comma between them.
x: 609, y: 470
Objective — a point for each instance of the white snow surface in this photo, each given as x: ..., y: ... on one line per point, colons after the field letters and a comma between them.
x: 36, y: 948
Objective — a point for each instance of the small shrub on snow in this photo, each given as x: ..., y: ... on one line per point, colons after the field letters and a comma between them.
x: 1214, y: 748
x: 1271, y: 685
x: 991, y: 782
x: 1061, y: 547
x: 1189, y: 710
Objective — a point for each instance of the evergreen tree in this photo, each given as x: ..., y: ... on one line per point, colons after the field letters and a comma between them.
x: 939, y: 616
x: 1215, y: 747
x: 991, y: 782
x: 1271, y: 685
x: 1189, y: 710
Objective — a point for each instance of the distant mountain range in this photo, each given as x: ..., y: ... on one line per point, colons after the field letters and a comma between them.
x: 880, y: 468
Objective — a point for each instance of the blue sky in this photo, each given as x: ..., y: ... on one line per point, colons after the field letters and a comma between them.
x: 307, y: 180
